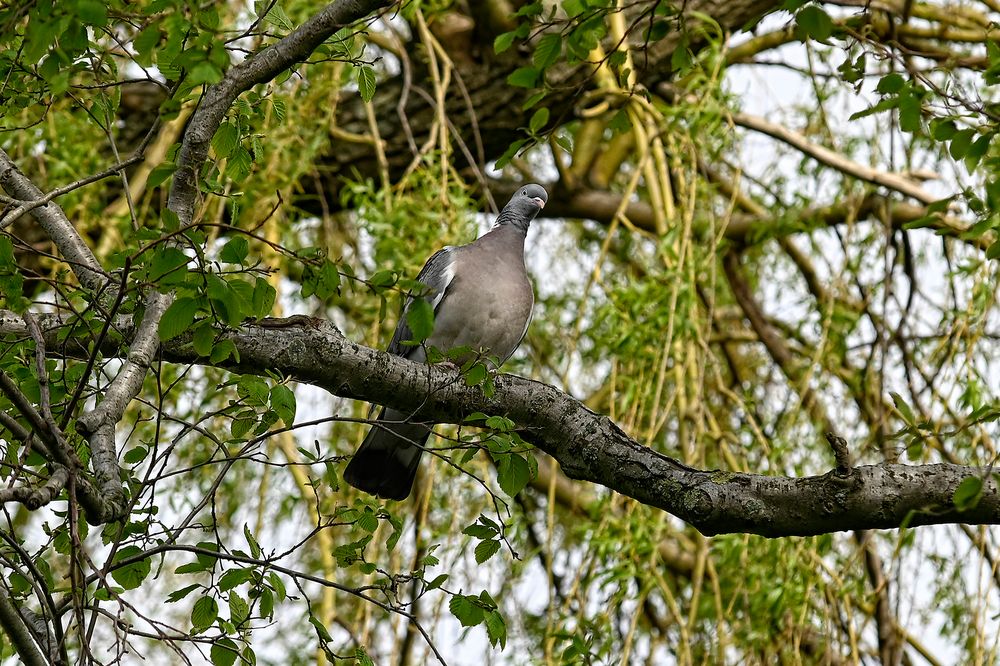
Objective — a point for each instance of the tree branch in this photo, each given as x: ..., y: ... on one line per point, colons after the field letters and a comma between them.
x: 590, y: 446
x: 744, y: 228
x: 835, y: 160
x: 55, y: 223
x: 17, y: 630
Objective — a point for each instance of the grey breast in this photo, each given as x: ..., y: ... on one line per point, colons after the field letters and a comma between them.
x: 489, y: 302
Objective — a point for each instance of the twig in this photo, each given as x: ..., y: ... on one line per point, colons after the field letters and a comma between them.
x: 35, y: 498
x: 834, y: 159
x: 28, y: 206
x: 55, y: 223
x: 841, y: 454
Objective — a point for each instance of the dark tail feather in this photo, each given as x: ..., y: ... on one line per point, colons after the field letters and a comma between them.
x: 386, y: 462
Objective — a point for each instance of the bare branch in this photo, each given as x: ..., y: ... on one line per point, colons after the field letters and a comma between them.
x: 34, y: 498
x: 835, y: 160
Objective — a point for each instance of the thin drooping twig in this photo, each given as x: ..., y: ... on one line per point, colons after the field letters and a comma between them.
x: 841, y: 454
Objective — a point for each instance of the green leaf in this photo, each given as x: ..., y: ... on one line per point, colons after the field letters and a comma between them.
x: 145, y: 42
x: 265, y: 605
x: 538, y: 120
x: 883, y: 105
x: 508, y: 154
x: 813, y: 22
x: 239, y: 609
x: 225, y: 140
x: 92, y: 12
x: 253, y: 390
x: 968, y: 493
x: 523, y: 77
x: 240, y: 163
x: 324, y: 281
x: 437, y: 582
x: 178, y: 317
x: 320, y: 628
x: 977, y: 150
x: 225, y: 300
x: 234, y: 578
x: 466, y: 609
x: 160, y: 173
x: 205, y: 71
x: 235, y: 251
x: 496, y: 629
x: 133, y: 574
x: 204, y: 613
x: 993, y: 251
x: 960, y: 143
x: 681, y: 59
x: 362, y: 658
x: 486, y: 549
x: 177, y: 595
x: 222, y: 350
x: 910, y: 113
x: 170, y: 220
x: 277, y: 16
x: 420, y: 319
x: 476, y: 374
x: 904, y: 409
x: 620, y: 122
x: 513, y: 474
x: 943, y: 129
x: 203, y: 339
x: 480, y: 531
x: 263, y: 298
x: 533, y: 100
x: 278, y: 585
x: 547, y: 51
x: 166, y: 260
x: 254, y: 546
x: 283, y: 403
x: 135, y: 455
x: 503, y: 41
x: 499, y: 423
x: 243, y: 424
x: 367, y: 521
x: 366, y: 82
x: 890, y: 84
x: 224, y: 652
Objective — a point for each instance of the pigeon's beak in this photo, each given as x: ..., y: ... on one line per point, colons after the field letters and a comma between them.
x: 539, y: 201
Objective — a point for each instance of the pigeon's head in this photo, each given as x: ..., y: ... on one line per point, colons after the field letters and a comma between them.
x: 523, y: 206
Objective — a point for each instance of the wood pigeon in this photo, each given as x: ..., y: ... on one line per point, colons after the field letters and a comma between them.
x: 482, y: 299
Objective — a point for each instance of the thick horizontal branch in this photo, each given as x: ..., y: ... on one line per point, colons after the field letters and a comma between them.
x: 744, y: 228
x: 589, y: 446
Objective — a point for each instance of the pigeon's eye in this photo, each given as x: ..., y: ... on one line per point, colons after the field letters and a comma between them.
x: 524, y: 193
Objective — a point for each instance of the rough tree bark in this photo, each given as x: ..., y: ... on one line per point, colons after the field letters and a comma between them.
x: 589, y: 446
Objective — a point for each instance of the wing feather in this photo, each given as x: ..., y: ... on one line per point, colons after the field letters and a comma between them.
x: 437, y: 275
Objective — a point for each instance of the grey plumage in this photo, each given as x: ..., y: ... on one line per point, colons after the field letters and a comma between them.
x: 482, y: 299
